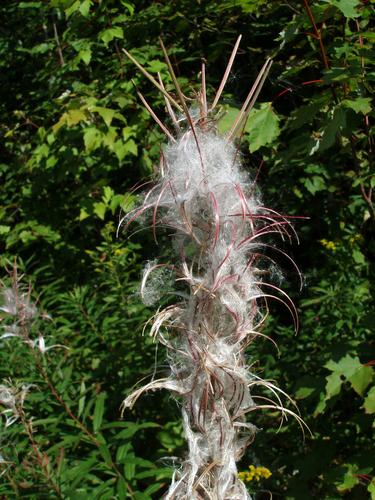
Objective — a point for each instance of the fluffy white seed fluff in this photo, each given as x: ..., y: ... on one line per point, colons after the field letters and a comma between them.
x: 219, y: 229
x: 205, y: 196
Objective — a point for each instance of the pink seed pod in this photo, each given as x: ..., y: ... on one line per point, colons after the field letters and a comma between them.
x: 220, y: 230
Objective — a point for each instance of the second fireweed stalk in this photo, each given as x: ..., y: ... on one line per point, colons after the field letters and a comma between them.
x: 220, y: 230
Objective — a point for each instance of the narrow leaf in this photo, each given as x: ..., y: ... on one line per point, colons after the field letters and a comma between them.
x: 99, y: 411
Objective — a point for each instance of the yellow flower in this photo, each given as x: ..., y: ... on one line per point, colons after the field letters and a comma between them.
x: 355, y: 238
x: 329, y: 245
x: 254, y: 474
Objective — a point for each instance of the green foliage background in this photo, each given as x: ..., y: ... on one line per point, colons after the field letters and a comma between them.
x: 75, y: 140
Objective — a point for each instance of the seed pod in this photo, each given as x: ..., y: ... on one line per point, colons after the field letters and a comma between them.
x: 220, y: 229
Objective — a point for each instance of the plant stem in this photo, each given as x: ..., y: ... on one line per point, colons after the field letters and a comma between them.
x: 81, y: 426
x: 367, y: 197
x: 317, y: 33
x: 42, y: 458
x: 59, y: 49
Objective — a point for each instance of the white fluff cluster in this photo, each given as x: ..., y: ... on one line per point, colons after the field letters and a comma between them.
x: 209, y: 202
x: 17, y: 303
x: 17, y: 306
x: 219, y: 229
x: 12, y: 397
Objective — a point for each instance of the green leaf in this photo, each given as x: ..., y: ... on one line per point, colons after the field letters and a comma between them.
x: 347, y: 7
x: 78, y: 472
x: 92, y: 138
x: 345, y: 366
x: 361, y: 379
x: 129, y: 470
x: 116, y: 201
x: 351, y: 369
x: 121, y: 487
x: 83, y: 214
x: 4, y: 229
x: 81, y: 401
x: 99, y: 411
x: 106, y: 454
x: 29, y: 5
x: 369, y: 35
x: 360, y: 105
x: 74, y: 7
x: 156, y: 66
x: 133, y: 428
x: 334, y: 127
x: 85, y: 55
x: 304, y: 392
x: 100, y: 209
x: 262, y: 127
x: 121, y: 149
x: 369, y: 404
x: 131, y: 147
x: 70, y: 118
x: 108, y: 35
x: 314, y: 184
x: 333, y: 385
x: 153, y: 488
x: 127, y: 202
x: 225, y: 123
x: 336, y: 74
x: 304, y: 114
x: 110, y: 137
x: 349, y: 480
x: 108, y: 194
x: 84, y: 8
x: 41, y: 48
x: 106, y: 113
x: 51, y: 162
x: 358, y: 256
x: 122, y: 452
x: 371, y: 489
x: 128, y: 6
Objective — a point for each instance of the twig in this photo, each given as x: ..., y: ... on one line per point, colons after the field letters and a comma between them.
x: 59, y: 49
x: 367, y: 197
x: 152, y: 80
x: 226, y: 74
x: 183, y: 103
x: 250, y: 99
x: 81, y: 426
x: 153, y: 114
x: 317, y: 34
x: 42, y: 458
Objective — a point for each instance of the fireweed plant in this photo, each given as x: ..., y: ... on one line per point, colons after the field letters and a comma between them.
x: 20, y: 314
x: 220, y: 229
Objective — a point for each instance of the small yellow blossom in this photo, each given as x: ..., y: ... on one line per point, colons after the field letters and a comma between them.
x: 355, y: 238
x: 329, y: 245
x: 119, y: 251
x: 254, y: 474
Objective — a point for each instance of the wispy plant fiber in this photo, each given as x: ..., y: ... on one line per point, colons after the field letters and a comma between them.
x: 220, y: 229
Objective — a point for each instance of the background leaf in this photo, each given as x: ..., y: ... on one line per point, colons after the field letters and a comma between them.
x: 262, y: 127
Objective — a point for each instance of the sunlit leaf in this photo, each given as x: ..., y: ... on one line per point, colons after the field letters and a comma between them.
x: 262, y: 127
x: 99, y: 411
x: 84, y: 8
x: 348, y: 7
x: 92, y: 138
x: 369, y: 404
x: 100, y: 209
x: 108, y: 35
x: 359, y: 105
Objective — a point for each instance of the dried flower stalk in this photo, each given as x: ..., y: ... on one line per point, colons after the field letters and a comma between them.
x: 219, y: 229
